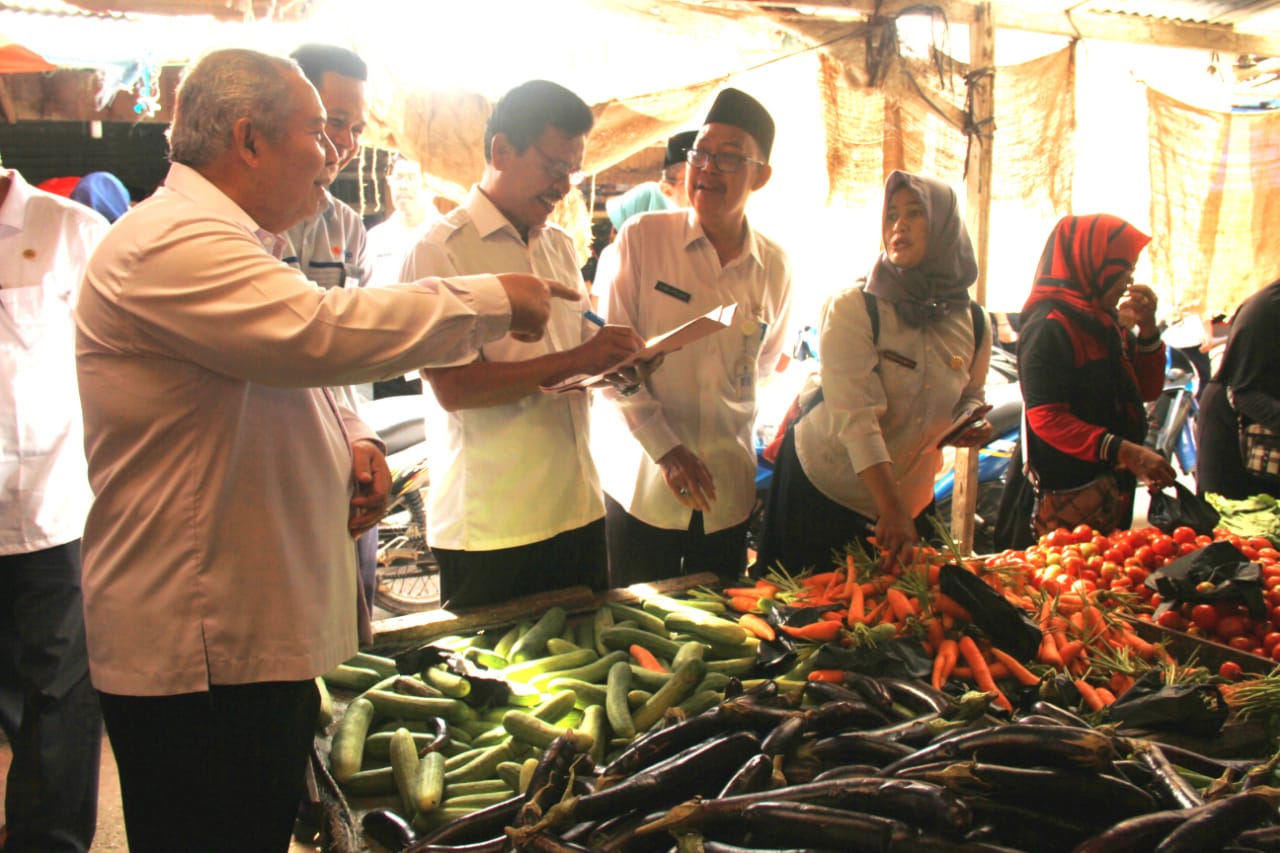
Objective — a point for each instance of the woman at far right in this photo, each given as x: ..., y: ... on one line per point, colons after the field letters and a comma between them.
x: 1085, y: 377
x: 1244, y: 391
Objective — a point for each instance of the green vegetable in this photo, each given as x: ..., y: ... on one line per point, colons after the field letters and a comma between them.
x: 1255, y: 516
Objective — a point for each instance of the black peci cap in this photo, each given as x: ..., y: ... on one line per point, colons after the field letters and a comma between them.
x: 676, y: 146
x: 735, y: 107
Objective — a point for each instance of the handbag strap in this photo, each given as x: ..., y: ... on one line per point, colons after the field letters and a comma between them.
x: 1027, y: 471
x: 1231, y: 401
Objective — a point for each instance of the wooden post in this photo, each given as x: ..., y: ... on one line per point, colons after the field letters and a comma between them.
x: 982, y: 60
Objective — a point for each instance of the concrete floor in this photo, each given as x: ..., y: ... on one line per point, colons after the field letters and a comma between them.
x: 109, y: 837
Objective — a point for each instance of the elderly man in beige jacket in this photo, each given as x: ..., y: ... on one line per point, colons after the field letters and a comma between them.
x: 219, y: 577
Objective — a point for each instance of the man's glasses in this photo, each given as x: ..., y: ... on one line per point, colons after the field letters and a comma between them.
x: 558, y: 170
x: 725, y: 161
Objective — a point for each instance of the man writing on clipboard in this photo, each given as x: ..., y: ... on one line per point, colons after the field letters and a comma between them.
x: 677, y: 458
x: 514, y: 506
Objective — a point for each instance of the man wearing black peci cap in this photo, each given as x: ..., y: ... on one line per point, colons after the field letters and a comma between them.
x: 677, y: 458
x: 674, y: 166
x: 663, y: 194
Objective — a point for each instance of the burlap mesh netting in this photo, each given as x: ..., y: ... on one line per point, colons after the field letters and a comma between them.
x: 443, y: 130
x: 1214, y: 182
x: 1213, y: 175
x: 916, y: 120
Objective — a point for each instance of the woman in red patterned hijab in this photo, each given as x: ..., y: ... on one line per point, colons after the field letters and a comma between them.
x: 1084, y: 376
x: 1085, y: 262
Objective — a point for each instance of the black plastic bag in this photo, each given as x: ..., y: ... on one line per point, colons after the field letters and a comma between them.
x: 1181, y: 509
x: 1009, y: 627
x: 1212, y: 573
x: 486, y: 690
x: 902, y: 657
x: 1197, y: 709
x: 797, y: 617
x: 1013, y: 519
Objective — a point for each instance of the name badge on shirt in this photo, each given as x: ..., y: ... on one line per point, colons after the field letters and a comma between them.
x: 898, y: 358
x: 673, y: 291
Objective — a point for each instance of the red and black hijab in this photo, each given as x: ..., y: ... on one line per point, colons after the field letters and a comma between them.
x: 1082, y: 259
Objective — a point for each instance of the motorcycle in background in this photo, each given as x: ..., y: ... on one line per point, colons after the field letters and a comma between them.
x: 1171, y: 417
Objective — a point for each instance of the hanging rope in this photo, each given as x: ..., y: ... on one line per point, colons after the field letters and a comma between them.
x: 974, y: 127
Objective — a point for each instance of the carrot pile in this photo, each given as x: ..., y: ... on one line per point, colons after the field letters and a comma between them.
x: 1083, y: 635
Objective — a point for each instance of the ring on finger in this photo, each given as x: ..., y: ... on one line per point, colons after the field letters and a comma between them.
x: 684, y: 493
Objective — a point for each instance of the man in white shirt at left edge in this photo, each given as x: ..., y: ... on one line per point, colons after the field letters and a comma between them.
x: 48, y: 708
x: 219, y: 578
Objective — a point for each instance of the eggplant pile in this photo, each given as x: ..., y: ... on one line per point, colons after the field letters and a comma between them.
x: 650, y: 728
x: 877, y: 764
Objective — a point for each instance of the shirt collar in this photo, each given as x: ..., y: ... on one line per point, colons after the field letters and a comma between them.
x: 13, y: 212
x: 489, y: 220
x: 328, y: 211
x: 200, y: 191
x: 693, y: 233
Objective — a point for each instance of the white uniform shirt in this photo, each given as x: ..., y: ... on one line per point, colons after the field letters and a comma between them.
x: 510, y: 475
x: 45, y: 243
x: 879, y: 409
x: 703, y: 396
x: 330, y: 249
x: 216, y: 550
x: 389, y: 241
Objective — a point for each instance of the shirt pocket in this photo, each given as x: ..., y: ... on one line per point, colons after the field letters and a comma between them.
x: 37, y: 358
x: 328, y: 274
x: 27, y: 313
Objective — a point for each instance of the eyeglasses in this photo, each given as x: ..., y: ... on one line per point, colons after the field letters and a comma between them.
x: 725, y: 161
x: 558, y: 170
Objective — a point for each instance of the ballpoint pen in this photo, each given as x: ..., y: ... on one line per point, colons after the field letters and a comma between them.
x: 619, y: 381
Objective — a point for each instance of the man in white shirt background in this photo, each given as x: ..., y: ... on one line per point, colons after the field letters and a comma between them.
x: 330, y: 247
x: 389, y: 241
x: 414, y: 212
x: 663, y: 194
x: 515, y: 504
x: 48, y: 708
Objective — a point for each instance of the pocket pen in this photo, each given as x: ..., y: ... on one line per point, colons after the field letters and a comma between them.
x: 592, y: 317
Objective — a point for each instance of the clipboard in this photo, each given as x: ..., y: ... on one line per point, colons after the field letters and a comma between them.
x: 668, y: 342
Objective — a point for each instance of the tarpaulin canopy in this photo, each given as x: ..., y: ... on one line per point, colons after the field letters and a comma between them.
x: 16, y: 59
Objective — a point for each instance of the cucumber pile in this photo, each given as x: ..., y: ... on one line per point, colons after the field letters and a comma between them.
x: 433, y: 752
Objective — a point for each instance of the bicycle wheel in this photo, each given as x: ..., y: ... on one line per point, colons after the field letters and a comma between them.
x: 409, y: 585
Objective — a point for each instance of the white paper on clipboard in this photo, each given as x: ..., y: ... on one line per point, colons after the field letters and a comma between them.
x: 713, y: 321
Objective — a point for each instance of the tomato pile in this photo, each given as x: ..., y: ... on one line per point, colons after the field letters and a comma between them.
x: 1083, y: 561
